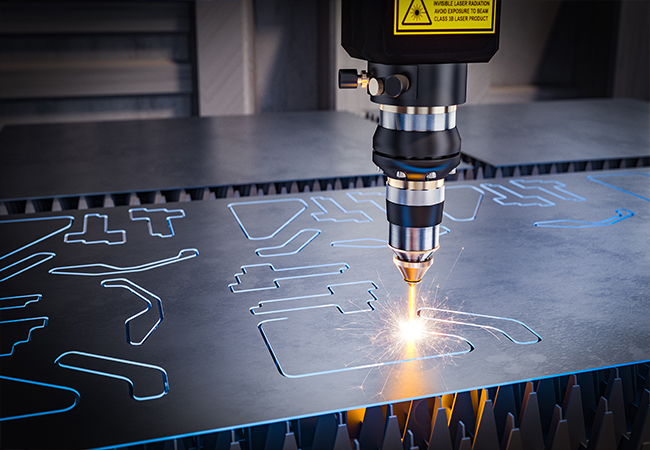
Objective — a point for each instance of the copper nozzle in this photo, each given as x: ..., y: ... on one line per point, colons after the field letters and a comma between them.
x: 413, y: 271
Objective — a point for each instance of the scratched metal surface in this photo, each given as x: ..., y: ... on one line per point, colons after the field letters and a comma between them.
x: 112, y: 157
x: 579, y: 279
x: 555, y: 131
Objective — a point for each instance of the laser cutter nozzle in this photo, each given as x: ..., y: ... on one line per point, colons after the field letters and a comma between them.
x: 413, y: 271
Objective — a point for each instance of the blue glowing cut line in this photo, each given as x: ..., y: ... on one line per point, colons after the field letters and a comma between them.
x: 358, y: 243
x: 478, y: 204
x: 114, y: 270
x: 363, y: 194
x: 29, y: 335
x: 570, y: 223
x: 557, y: 187
x: 67, y: 239
x: 500, y: 197
x: 179, y: 215
x: 330, y: 288
x: 315, y: 234
x: 137, y: 290
x: 324, y: 211
x: 365, y: 366
x: 34, y: 297
x: 485, y: 327
x: 443, y: 230
x: 260, y: 202
x: 47, y: 256
x: 116, y: 376
x: 70, y: 220
x: 276, y: 281
x: 595, y: 179
x: 77, y: 396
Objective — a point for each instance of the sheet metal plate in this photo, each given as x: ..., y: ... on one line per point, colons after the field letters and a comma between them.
x: 555, y: 131
x: 579, y: 279
x: 129, y: 156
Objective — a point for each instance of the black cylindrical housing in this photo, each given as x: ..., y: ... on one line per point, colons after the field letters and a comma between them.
x: 429, y: 84
x: 414, y: 216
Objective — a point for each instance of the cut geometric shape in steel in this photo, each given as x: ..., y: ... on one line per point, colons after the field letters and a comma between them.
x: 263, y: 276
x: 264, y: 219
x: 514, y: 330
x: 20, y: 266
x: 369, y: 197
x: 296, y: 243
x: 159, y: 221
x: 97, y: 233
x: 624, y: 182
x: 35, y: 395
x: 145, y: 295
x: 344, y: 349
x: 465, y: 202
x: 18, y: 301
x: 557, y: 188
x: 336, y: 213
x: 621, y: 214
x: 120, y: 369
x: 361, y: 243
x: 348, y: 298
x: 99, y: 269
x: 13, y: 332
x: 508, y: 197
x: 45, y: 220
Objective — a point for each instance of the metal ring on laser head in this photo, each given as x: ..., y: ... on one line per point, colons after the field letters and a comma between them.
x: 411, y: 197
x: 417, y: 122
x: 413, y: 239
x: 415, y: 185
x: 418, y: 109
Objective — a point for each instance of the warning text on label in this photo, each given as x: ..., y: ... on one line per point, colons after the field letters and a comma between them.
x: 444, y: 16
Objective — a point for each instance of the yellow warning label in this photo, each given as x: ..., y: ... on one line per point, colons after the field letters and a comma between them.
x: 444, y: 16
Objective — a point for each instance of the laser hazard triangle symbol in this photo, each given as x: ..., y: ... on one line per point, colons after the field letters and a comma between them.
x: 416, y: 14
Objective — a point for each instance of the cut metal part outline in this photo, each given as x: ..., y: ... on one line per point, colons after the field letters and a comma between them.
x: 46, y: 257
x: 186, y: 253
x: 77, y: 397
x: 368, y: 199
x: 179, y: 214
x: 537, y: 339
x: 38, y: 219
x: 621, y: 214
x: 478, y: 203
x: 35, y: 298
x: 596, y: 179
x: 67, y: 239
x: 231, y: 207
x: 500, y: 197
x: 276, y: 361
x: 263, y: 252
x: 142, y: 293
x: 331, y: 291
x: 276, y: 281
x: 165, y: 379
x: 318, y: 216
x: 44, y: 320
x: 359, y: 243
x: 557, y: 188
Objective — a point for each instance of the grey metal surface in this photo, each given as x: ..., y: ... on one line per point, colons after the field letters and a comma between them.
x: 579, y: 280
x: 111, y: 157
x: 555, y: 131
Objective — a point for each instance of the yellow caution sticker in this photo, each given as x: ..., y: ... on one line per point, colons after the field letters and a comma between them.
x: 444, y: 16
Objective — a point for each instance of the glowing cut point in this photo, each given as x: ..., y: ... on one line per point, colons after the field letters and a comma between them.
x: 412, y: 330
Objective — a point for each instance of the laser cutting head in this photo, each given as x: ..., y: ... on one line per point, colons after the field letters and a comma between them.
x: 417, y: 73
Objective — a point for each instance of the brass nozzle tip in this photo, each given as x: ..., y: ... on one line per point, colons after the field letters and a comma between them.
x: 414, y: 271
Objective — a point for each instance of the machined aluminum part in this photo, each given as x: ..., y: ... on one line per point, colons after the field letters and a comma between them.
x: 417, y: 122
x: 413, y: 239
x: 411, y: 197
